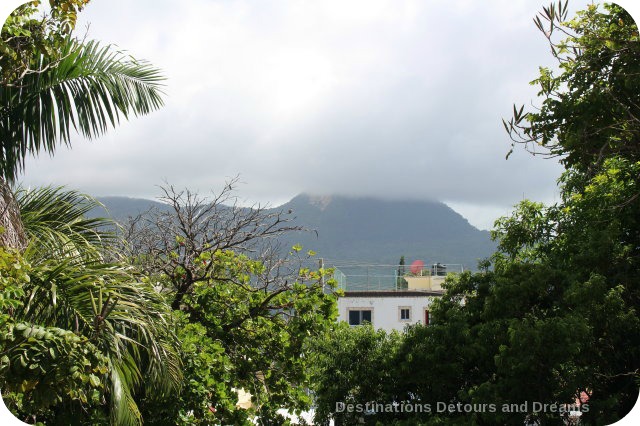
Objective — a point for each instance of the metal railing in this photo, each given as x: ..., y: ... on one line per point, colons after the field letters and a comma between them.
x: 371, y: 277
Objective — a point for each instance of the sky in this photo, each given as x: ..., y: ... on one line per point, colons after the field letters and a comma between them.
x: 398, y: 99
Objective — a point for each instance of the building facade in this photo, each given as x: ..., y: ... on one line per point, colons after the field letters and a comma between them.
x: 389, y: 310
x: 400, y: 301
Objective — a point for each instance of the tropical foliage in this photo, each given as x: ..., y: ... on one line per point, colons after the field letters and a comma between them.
x: 79, y: 332
x: 55, y: 220
x: 55, y: 84
x: 197, y: 306
x: 89, y: 336
x: 553, y: 317
x: 70, y: 291
x: 354, y: 366
x: 245, y: 309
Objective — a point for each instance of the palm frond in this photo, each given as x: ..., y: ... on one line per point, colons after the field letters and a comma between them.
x: 73, y: 288
x: 55, y: 221
x: 88, y: 90
x: 124, y: 411
x: 127, y: 320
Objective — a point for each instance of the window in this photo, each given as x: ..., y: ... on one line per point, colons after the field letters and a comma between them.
x: 427, y: 317
x: 405, y: 313
x: 358, y: 316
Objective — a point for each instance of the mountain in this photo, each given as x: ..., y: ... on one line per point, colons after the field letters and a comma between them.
x: 365, y: 229
x: 121, y: 209
x: 379, y: 231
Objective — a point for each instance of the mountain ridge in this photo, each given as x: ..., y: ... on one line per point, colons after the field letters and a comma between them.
x: 366, y: 229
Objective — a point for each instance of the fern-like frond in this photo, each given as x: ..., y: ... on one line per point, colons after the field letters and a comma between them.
x: 89, y: 89
x: 55, y: 220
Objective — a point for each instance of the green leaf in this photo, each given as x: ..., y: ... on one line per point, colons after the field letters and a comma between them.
x: 94, y: 380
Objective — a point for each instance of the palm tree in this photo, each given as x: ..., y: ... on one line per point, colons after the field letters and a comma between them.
x: 85, y: 88
x: 88, y: 89
x: 75, y: 289
x: 56, y: 221
x: 72, y: 86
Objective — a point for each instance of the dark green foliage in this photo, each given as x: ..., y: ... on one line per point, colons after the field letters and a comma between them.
x: 74, y: 313
x: 354, y: 365
x: 245, y: 310
x: 555, y: 317
x: 590, y: 111
x: 49, y: 368
x: 43, y: 369
x: 236, y: 335
x: 82, y: 338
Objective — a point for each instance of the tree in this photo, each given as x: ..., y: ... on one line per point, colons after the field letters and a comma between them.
x: 11, y: 228
x: 42, y: 366
x: 589, y: 117
x: 552, y: 317
x: 556, y: 318
x: 172, y: 242
x: 26, y: 35
x: 590, y: 111
x: 245, y: 310
x: 53, y: 84
x: 401, y: 282
x: 73, y: 310
x: 355, y: 365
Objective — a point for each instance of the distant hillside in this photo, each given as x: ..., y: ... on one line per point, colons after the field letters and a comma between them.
x: 122, y: 208
x: 378, y: 231
x: 366, y: 229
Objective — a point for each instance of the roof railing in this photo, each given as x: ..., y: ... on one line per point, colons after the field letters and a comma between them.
x: 372, y: 277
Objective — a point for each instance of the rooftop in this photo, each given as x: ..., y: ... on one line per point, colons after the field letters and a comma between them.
x: 392, y: 279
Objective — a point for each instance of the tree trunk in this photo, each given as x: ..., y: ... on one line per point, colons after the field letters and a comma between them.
x: 12, y: 233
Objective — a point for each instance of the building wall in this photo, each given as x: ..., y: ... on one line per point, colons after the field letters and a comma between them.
x: 386, y: 310
x: 427, y: 282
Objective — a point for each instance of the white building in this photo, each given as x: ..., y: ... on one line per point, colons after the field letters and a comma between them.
x: 393, y: 308
x: 389, y: 310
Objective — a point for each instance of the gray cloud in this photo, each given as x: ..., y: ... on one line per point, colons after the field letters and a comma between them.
x: 396, y: 99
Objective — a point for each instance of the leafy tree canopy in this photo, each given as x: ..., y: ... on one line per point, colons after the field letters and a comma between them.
x: 590, y: 111
x: 553, y: 316
x: 245, y: 309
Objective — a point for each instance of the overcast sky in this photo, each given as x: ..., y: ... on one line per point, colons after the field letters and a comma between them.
x: 392, y: 99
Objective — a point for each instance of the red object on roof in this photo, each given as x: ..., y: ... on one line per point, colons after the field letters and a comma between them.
x: 416, y: 267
